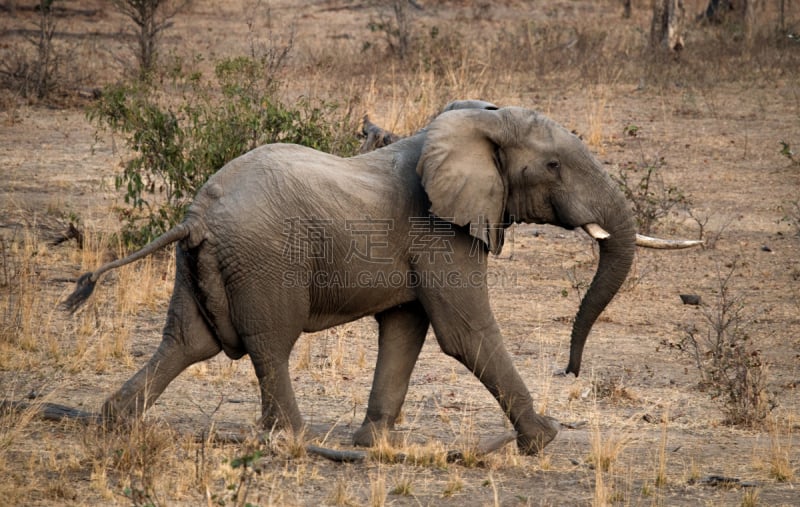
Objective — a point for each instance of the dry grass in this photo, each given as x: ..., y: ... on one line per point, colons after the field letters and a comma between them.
x: 597, y: 120
x: 605, y: 450
x: 661, y: 469
x: 778, y: 462
x: 377, y: 488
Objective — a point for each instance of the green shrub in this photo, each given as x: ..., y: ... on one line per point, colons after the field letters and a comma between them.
x: 177, y: 140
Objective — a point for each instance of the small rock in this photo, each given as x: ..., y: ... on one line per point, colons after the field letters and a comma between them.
x: 690, y: 299
x: 765, y: 248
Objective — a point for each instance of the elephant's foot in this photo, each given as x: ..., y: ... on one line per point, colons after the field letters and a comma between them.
x: 537, y: 434
x: 296, y: 426
x: 119, y: 409
x: 281, y: 416
x: 372, y: 433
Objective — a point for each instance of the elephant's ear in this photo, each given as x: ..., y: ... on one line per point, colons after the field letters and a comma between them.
x: 460, y: 174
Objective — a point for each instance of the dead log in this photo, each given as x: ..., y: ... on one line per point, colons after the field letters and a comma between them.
x: 48, y: 411
x: 356, y: 456
x: 375, y: 137
x: 71, y: 232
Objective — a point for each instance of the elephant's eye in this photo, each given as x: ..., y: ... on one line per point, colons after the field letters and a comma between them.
x: 554, y: 165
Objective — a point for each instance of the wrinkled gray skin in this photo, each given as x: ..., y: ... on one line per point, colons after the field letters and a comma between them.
x: 280, y: 214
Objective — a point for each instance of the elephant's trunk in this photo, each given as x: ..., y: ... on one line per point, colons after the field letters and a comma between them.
x: 616, y: 257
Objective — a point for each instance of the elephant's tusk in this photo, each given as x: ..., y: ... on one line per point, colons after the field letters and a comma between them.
x: 596, y: 231
x: 665, y: 244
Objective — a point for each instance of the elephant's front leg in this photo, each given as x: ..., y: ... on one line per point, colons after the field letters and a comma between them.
x: 402, y: 331
x: 467, y: 331
x: 491, y: 363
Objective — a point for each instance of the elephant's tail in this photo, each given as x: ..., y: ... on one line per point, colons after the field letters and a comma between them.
x: 87, y: 281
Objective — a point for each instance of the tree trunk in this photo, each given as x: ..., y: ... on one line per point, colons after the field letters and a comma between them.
x: 782, y: 17
x: 715, y: 10
x: 666, y: 30
x: 750, y: 7
x: 403, y: 28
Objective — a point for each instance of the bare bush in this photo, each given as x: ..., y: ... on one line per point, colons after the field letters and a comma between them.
x: 792, y: 216
x: 652, y: 199
x: 731, y: 367
x: 708, y: 235
x: 151, y: 17
x: 266, y: 45
x: 34, y: 75
x: 395, y: 24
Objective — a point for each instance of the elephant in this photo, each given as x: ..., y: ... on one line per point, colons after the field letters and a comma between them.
x: 285, y: 239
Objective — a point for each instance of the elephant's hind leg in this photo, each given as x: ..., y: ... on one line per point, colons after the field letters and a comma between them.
x: 269, y: 322
x: 402, y: 332
x: 278, y: 404
x: 187, y: 339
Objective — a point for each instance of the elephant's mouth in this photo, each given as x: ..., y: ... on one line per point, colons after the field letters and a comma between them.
x: 551, y: 219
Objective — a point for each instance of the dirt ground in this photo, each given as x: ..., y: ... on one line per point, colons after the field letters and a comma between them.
x: 639, y: 397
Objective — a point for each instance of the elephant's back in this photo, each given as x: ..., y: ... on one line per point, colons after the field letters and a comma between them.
x: 266, y: 191
x: 277, y: 180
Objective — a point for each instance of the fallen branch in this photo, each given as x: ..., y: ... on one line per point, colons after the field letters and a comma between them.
x: 71, y: 232
x: 351, y: 456
x: 574, y: 425
x: 725, y: 482
x: 338, y: 455
x: 48, y: 411
x: 376, y: 137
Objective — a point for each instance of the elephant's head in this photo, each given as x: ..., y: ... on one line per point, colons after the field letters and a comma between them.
x: 485, y: 169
